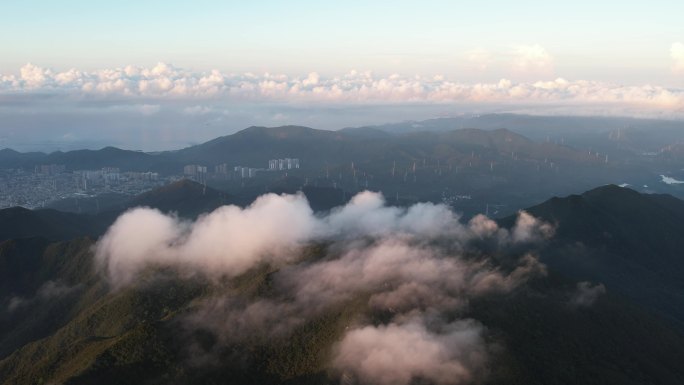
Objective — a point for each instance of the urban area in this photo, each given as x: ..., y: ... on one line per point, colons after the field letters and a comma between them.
x: 46, y: 183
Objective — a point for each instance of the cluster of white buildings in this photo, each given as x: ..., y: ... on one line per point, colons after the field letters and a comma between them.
x: 223, y: 171
x: 251, y: 172
x: 195, y: 172
x: 111, y: 176
x: 106, y: 176
x: 246, y: 172
x: 283, y: 164
x: 49, y: 169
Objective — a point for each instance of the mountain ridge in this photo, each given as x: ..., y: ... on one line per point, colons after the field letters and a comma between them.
x: 67, y: 326
x: 627, y: 240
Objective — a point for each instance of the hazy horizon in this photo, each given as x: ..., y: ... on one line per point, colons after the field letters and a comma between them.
x: 146, y: 139
x: 163, y: 75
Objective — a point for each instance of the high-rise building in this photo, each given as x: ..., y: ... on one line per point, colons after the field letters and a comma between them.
x: 283, y: 164
x: 196, y: 172
x: 50, y: 169
x: 221, y: 169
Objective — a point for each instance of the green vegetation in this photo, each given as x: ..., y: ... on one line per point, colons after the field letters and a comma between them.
x: 60, y: 323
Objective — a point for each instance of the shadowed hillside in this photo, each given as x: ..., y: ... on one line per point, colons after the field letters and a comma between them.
x: 631, y: 242
x: 63, y: 321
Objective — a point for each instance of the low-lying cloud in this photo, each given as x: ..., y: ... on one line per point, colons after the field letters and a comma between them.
x: 231, y: 240
x: 48, y: 291
x: 397, y: 354
x: 227, y: 241
x: 415, y: 268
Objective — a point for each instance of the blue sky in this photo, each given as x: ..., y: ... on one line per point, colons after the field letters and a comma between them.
x: 164, y: 74
x: 627, y: 42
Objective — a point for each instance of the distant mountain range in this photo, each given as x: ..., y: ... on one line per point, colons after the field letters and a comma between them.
x: 599, y: 133
x: 489, y: 166
x: 577, y: 131
x: 79, y: 159
x: 500, y: 160
x: 253, y: 145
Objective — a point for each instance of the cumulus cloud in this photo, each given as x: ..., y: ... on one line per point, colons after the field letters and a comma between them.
x: 311, y: 80
x: 33, y: 76
x: 227, y: 241
x: 231, y: 240
x: 165, y: 81
x: 528, y: 228
x: 416, y: 266
x: 677, y: 55
x: 367, y: 214
x: 532, y: 58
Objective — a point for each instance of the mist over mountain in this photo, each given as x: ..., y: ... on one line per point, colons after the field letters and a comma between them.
x: 274, y: 293
x: 341, y: 193
x: 369, y: 251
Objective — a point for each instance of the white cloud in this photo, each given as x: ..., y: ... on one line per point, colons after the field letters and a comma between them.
x: 227, y: 241
x: 410, y: 264
x: 230, y: 240
x: 399, y: 354
x: 34, y: 76
x: 312, y: 79
x: 166, y: 82
x: 532, y: 58
x: 677, y: 54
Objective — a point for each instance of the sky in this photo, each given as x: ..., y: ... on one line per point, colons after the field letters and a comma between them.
x: 85, y: 71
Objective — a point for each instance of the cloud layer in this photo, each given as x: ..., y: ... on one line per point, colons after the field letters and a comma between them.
x: 231, y: 240
x: 167, y: 82
x: 416, y: 268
